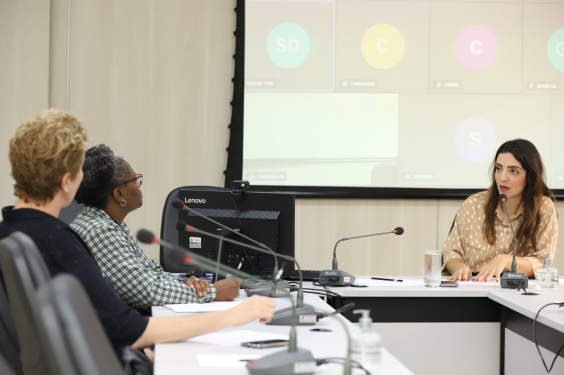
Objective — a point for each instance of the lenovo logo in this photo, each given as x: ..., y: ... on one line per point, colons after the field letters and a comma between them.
x: 193, y: 200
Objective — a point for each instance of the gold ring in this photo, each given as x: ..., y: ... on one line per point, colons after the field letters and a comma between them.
x: 238, y: 295
x: 193, y: 278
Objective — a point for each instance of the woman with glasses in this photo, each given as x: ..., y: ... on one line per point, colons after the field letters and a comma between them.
x: 110, y: 190
x: 46, y: 155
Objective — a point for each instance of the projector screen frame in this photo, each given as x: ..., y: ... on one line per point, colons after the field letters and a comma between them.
x: 234, y: 169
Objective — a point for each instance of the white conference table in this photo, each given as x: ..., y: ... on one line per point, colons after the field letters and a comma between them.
x: 183, y: 357
x: 432, y: 330
x: 517, y: 314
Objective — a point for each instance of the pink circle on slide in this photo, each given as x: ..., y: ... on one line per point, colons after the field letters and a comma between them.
x: 476, y: 47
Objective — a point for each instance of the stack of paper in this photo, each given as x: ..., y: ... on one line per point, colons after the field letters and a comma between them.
x: 204, y: 307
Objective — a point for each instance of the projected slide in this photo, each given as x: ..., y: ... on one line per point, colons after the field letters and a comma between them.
x: 399, y: 93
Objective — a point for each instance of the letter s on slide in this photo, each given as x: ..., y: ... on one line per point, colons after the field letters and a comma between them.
x: 281, y: 42
x: 475, y: 139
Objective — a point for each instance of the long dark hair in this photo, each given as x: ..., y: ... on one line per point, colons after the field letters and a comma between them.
x: 526, y: 153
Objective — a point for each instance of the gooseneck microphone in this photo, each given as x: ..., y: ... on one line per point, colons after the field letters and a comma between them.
x: 512, y: 280
x: 306, y: 313
x: 178, y: 204
x: 287, y: 361
x: 398, y: 231
x: 337, y: 277
x: 503, y: 200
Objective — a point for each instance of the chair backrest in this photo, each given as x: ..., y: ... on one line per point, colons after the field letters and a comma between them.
x: 69, y: 213
x: 5, y: 368
x: 9, y: 345
x: 453, y: 222
x: 169, y: 233
x: 21, y: 285
x: 73, y: 335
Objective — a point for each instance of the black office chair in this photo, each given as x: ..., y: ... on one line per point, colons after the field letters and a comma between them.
x: 69, y: 213
x: 453, y: 222
x: 169, y: 233
x: 9, y: 345
x: 24, y: 270
x: 5, y: 368
x: 73, y: 335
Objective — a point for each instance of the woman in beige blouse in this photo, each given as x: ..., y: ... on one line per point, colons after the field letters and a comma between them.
x: 481, y: 240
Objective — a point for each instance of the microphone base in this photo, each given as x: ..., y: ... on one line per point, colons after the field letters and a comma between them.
x: 305, y: 316
x: 514, y: 280
x: 299, y: 362
x: 336, y: 278
x: 282, y: 290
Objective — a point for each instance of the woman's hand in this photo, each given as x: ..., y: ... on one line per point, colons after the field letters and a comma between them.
x: 494, y: 268
x: 461, y: 270
x: 255, y: 307
x: 201, y: 286
x: 227, y: 289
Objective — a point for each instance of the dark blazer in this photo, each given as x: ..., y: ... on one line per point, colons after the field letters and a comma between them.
x: 65, y: 252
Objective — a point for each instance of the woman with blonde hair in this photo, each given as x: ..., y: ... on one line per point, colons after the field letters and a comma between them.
x: 46, y: 154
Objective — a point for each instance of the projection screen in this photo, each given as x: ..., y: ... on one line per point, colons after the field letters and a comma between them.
x: 413, y: 94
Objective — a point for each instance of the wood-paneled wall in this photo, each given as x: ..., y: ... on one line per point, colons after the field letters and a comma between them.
x: 24, y: 73
x: 152, y: 79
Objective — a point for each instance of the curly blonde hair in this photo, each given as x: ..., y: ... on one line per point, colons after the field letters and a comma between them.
x: 44, y: 148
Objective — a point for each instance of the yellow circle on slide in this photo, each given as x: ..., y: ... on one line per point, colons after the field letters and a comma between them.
x: 383, y: 46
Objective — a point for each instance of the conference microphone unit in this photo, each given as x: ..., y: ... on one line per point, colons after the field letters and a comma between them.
x: 306, y: 313
x: 178, y: 204
x: 513, y: 279
x: 294, y: 360
x: 336, y: 277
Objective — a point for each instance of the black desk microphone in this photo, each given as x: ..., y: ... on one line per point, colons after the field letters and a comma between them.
x: 512, y: 280
x: 293, y: 360
x: 342, y: 278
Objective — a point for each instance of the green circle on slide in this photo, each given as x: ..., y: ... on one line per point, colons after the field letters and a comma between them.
x: 288, y: 45
x: 555, y: 49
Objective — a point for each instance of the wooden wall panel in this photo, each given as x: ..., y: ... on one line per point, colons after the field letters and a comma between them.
x: 322, y: 222
x: 152, y: 80
x: 447, y: 211
x: 24, y: 74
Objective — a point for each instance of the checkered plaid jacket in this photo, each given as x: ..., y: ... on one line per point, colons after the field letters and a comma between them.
x: 140, y: 281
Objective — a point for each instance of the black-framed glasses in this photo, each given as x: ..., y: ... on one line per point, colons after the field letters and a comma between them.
x: 138, y: 180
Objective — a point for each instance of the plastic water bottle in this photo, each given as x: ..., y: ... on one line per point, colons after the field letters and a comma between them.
x: 366, y: 344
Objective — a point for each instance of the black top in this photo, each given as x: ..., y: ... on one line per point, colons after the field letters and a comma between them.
x: 65, y: 252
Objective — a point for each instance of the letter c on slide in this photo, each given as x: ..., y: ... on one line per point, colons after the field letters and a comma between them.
x: 475, y: 51
x: 379, y: 46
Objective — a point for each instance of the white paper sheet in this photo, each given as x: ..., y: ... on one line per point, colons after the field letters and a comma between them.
x: 225, y: 360
x: 203, y: 307
x: 491, y: 282
x: 405, y: 282
x: 235, y: 338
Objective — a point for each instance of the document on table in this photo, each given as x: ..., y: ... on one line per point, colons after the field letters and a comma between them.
x: 202, y: 307
x: 225, y: 360
x: 491, y: 282
x: 231, y: 338
x: 404, y: 283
